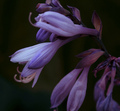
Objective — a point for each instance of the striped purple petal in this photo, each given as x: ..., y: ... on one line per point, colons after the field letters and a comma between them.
x: 25, y: 54
x: 63, y: 88
x: 44, y: 55
x: 78, y: 92
x: 61, y: 25
x: 42, y: 35
x: 53, y: 37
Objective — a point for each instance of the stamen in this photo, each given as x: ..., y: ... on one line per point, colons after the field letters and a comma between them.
x: 28, y: 78
x: 24, y: 79
x: 30, y: 19
x: 18, y: 70
x: 17, y: 80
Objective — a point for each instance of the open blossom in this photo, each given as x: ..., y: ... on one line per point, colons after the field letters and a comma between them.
x: 72, y: 87
x: 35, y: 58
x: 61, y: 25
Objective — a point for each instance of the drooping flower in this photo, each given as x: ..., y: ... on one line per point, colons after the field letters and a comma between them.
x: 27, y: 75
x: 35, y: 58
x: 63, y: 88
x: 61, y: 25
x: 78, y: 92
x: 75, y: 88
x: 69, y: 85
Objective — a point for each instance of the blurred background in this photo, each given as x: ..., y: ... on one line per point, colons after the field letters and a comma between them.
x: 16, y: 33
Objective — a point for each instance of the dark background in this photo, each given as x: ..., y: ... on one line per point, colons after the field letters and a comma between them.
x: 16, y: 33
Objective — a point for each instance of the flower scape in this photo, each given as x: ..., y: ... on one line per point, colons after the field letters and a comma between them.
x: 62, y: 26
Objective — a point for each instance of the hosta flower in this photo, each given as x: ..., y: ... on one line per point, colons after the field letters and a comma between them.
x: 61, y: 25
x: 72, y: 87
x: 69, y: 85
x: 102, y: 94
x: 50, y: 5
x: 35, y: 58
x: 78, y: 92
x: 27, y: 75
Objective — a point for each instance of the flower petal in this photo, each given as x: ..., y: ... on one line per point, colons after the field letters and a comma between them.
x: 62, y: 89
x: 97, y: 23
x: 25, y: 54
x: 44, y: 55
x: 37, y: 76
x: 86, y: 53
x: 57, y: 16
x: 78, y: 92
x: 90, y: 59
x: 42, y: 35
x: 52, y: 29
x: 53, y: 37
x: 26, y: 71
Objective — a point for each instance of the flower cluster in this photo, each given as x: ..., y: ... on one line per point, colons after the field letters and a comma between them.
x: 61, y: 26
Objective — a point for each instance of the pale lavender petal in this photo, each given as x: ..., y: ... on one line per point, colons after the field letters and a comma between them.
x: 62, y: 89
x: 38, y: 18
x: 26, y: 71
x: 53, y: 29
x: 44, y: 55
x: 68, y: 31
x: 53, y: 17
x: 84, y: 30
x: 57, y: 16
x: 53, y: 37
x: 60, y: 24
x: 37, y: 76
x: 25, y: 54
x: 42, y: 35
x: 39, y: 33
x: 78, y: 92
